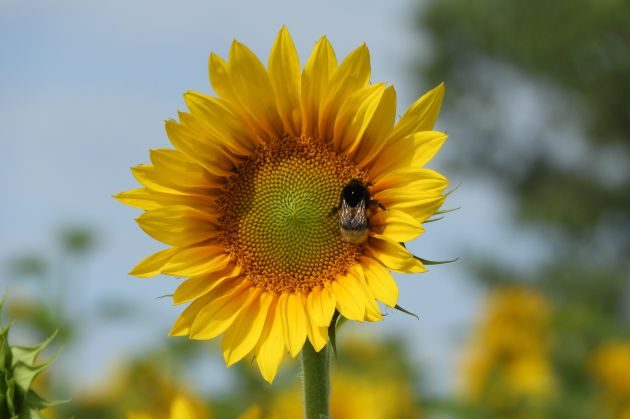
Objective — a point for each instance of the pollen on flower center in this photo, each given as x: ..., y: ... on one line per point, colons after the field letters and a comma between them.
x: 278, y: 215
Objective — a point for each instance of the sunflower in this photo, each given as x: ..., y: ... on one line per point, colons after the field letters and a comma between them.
x: 248, y: 201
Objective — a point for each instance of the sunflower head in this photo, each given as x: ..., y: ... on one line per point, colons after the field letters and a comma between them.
x: 250, y: 199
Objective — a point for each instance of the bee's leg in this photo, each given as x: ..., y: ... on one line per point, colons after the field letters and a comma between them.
x: 375, y: 202
x: 333, y: 211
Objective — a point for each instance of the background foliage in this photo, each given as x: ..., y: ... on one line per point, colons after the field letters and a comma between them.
x: 536, y: 106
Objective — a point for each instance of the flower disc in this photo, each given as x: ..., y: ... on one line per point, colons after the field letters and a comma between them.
x: 280, y: 222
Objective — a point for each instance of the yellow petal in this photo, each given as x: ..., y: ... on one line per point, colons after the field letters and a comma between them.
x: 222, y: 84
x: 241, y: 337
x: 146, y: 175
x: 355, y: 115
x: 413, y: 151
x: 222, y: 126
x: 220, y: 78
x: 178, y: 225
x: 379, y: 128
x: 372, y: 311
x: 185, y: 320
x: 147, y: 199
x: 294, y: 319
x: 317, y: 335
x: 320, y: 305
x: 352, y: 74
x: 393, y: 255
x: 320, y: 66
x: 252, y: 87
x: 421, y: 116
x: 213, y: 150
x: 162, y: 182
x: 152, y: 265
x: 418, y: 206
x: 197, y: 286
x: 349, y: 295
x: 175, y: 166
x: 415, y: 180
x: 218, y: 315
x: 284, y: 71
x: 380, y: 281
x: 197, y: 260
x: 138, y: 198
x: 418, y: 192
x: 207, y: 156
x: 395, y: 225
x: 270, y: 349
x: 221, y: 123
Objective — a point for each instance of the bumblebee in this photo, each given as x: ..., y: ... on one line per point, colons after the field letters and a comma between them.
x: 355, y: 200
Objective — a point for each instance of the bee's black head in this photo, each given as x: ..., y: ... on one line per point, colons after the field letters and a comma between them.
x: 354, y: 192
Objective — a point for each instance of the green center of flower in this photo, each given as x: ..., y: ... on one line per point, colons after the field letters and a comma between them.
x: 279, y: 218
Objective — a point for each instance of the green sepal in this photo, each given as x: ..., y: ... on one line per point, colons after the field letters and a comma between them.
x: 332, y: 332
x: 31, y: 414
x: 440, y: 212
x: 430, y: 262
x: 402, y: 310
x: 29, y: 354
x: 5, y: 350
x: 4, y: 298
x: 10, y: 392
x: 36, y: 401
x: 24, y: 373
x: 453, y: 190
x: 18, y: 369
x: 432, y: 220
x: 434, y: 262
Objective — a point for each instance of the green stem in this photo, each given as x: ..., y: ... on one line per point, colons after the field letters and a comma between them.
x: 316, y: 381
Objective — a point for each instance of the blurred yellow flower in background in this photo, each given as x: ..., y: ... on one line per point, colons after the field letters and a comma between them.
x: 371, y: 381
x: 508, y: 362
x: 611, y: 367
x: 182, y: 407
x: 250, y: 200
x: 353, y: 397
x: 144, y: 389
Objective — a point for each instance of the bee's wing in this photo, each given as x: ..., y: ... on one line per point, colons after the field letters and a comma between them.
x: 353, y: 218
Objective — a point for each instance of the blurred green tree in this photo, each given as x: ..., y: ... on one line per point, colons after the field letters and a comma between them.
x: 538, y: 94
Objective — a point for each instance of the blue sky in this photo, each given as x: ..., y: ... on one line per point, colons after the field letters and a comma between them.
x: 84, y: 90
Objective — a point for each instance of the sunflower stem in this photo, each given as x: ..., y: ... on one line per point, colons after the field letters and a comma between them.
x: 316, y: 381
